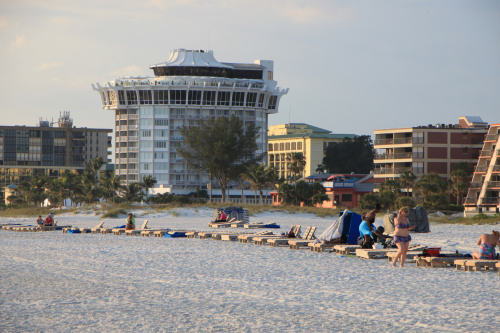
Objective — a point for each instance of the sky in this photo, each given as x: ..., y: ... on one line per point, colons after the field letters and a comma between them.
x: 351, y: 66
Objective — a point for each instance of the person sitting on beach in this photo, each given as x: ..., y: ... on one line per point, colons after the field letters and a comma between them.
x: 39, y: 221
x: 379, y: 237
x: 130, y: 222
x: 49, y: 220
x: 366, y: 229
x: 487, y: 244
x: 221, y: 216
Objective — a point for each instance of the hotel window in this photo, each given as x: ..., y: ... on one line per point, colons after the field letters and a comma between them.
x: 294, y: 145
x: 299, y: 145
x: 347, y: 197
x: 272, y: 102
x: 146, y: 122
x: 194, y: 97
x: 145, y: 156
x: 261, y: 100
x: 287, y: 146
x: 145, y: 97
x: 161, y: 96
x: 209, y: 98
x: 276, y: 147
x: 177, y: 97
x: 146, y: 133
x: 161, y: 112
x: 270, y: 147
x: 161, y: 122
x: 121, y: 97
x: 282, y: 146
x: 131, y: 97
x: 223, y: 98
x: 238, y: 98
x: 161, y: 133
x: 160, y: 156
x: 146, y: 112
x: 161, y: 166
x: 146, y: 144
x: 251, y: 98
x: 145, y: 166
x: 160, y: 144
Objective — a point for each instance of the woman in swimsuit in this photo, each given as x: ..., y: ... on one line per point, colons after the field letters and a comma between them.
x: 487, y: 244
x: 402, y: 236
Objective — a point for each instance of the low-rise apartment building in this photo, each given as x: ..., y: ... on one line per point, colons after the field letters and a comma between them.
x: 311, y: 141
x: 425, y: 149
x: 28, y: 150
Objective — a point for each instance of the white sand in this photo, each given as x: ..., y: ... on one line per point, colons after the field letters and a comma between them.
x: 55, y: 282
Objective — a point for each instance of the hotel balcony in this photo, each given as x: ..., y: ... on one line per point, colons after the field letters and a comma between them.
x: 496, y: 168
x: 490, y: 201
x: 475, y: 185
x: 481, y: 169
x: 486, y: 153
x: 397, y: 156
x: 491, y: 137
x: 390, y: 171
x: 397, y: 141
x: 470, y: 201
x: 493, y: 185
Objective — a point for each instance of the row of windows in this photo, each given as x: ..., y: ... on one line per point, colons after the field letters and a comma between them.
x: 191, y: 97
x: 283, y: 146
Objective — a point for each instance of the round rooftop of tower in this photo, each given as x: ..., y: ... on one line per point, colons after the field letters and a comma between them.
x: 182, y: 62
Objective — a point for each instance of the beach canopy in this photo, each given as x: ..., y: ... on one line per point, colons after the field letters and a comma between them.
x: 346, y: 228
x: 417, y: 216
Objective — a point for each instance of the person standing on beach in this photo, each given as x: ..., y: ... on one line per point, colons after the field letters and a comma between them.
x: 402, y: 236
x: 130, y: 222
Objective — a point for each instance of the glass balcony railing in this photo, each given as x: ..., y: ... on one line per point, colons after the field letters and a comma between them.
x: 470, y: 201
x: 490, y: 200
x: 476, y: 185
x: 493, y: 185
x: 491, y: 137
x: 394, y: 156
x: 482, y: 168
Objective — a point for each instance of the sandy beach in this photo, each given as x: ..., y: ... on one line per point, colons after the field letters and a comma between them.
x: 55, y: 282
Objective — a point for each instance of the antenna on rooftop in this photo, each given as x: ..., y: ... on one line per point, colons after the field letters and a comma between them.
x: 208, y: 40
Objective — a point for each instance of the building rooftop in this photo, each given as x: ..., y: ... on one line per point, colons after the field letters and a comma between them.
x: 191, y: 58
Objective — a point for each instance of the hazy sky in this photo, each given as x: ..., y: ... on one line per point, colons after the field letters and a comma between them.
x: 351, y: 66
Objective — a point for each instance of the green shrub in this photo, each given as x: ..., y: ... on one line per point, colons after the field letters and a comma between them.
x: 113, y: 213
x: 404, y: 201
x: 480, y: 216
x: 456, y: 208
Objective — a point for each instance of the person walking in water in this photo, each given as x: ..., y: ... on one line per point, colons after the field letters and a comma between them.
x: 402, y: 236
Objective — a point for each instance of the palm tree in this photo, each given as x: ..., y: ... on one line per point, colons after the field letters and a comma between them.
x: 112, y: 184
x: 94, y: 165
x: 407, y: 180
x: 260, y: 177
x: 34, y: 189
x: 459, y: 179
x: 148, y: 182
x: 132, y: 192
x: 296, y: 163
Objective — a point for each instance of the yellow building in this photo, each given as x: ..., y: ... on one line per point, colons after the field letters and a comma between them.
x: 311, y: 141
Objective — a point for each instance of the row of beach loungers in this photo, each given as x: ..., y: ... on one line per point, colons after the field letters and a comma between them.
x: 305, y: 241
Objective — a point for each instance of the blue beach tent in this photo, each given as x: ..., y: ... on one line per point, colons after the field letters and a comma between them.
x: 346, y: 227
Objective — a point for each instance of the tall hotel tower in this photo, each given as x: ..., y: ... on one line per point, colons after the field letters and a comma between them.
x: 190, y: 87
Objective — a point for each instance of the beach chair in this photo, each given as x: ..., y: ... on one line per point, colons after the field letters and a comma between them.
x: 137, y: 231
x: 97, y: 228
x: 305, y: 242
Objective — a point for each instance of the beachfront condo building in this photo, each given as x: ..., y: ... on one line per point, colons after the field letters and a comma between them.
x: 425, y: 149
x: 49, y: 148
x: 484, y: 191
x: 189, y: 87
x: 311, y: 141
